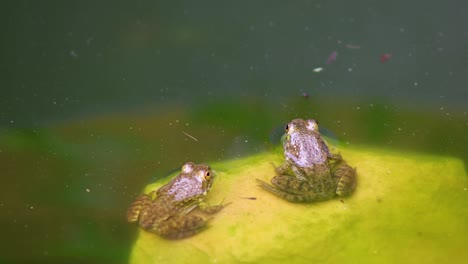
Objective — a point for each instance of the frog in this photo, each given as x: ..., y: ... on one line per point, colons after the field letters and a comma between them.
x: 310, y: 172
x: 167, y: 210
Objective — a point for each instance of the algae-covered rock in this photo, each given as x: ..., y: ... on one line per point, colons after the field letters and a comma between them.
x: 406, y: 208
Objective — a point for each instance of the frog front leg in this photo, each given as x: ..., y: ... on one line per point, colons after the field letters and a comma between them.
x: 180, y: 227
x: 138, y: 208
x: 286, y: 168
x: 346, y: 178
x: 283, y: 169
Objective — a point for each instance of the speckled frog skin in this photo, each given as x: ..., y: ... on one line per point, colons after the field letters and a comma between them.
x: 166, y: 210
x: 310, y: 172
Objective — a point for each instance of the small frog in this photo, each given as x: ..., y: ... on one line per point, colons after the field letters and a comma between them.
x: 165, y: 211
x: 310, y: 171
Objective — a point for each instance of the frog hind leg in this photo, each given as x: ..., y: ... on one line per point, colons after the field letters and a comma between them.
x: 346, y: 178
x: 135, y: 210
x: 211, y: 209
x: 180, y: 227
x: 276, y: 191
x: 294, y: 190
x: 291, y: 184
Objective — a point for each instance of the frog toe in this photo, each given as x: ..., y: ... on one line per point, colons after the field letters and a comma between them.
x: 265, y: 186
x: 291, y: 197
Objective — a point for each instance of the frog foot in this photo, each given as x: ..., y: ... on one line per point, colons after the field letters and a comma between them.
x: 180, y: 227
x: 212, y: 209
x: 141, y: 202
x: 294, y: 190
x: 346, y: 177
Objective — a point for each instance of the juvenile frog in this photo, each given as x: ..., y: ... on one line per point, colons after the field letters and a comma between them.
x: 310, y: 172
x: 165, y: 211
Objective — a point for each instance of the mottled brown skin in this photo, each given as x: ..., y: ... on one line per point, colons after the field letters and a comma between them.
x: 166, y: 210
x: 310, y: 172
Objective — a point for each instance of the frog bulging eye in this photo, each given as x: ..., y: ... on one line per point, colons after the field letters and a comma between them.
x: 207, y: 176
x: 312, y: 125
x: 188, y: 167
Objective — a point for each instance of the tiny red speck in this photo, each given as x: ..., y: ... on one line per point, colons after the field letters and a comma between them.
x: 385, y: 57
x: 332, y: 57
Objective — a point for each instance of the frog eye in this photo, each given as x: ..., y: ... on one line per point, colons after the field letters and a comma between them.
x: 312, y: 125
x: 207, y: 176
x: 286, y: 128
x: 188, y: 167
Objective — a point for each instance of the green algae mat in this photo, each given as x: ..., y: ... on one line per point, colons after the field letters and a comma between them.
x: 407, y: 208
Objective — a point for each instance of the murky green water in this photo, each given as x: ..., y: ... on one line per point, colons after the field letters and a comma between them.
x: 99, y: 99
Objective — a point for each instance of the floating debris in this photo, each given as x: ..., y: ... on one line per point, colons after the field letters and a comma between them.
x: 385, y: 57
x: 318, y: 69
x: 305, y: 95
x: 249, y: 198
x: 190, y: 136
x: 350, y: 46
x: 73, y: 54
x: 88, y: 41
x: 332, y: 57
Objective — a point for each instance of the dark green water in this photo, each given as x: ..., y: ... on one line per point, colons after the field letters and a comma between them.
x: 95, y: 97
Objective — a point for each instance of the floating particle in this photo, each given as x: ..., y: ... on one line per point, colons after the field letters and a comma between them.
x: 318, y: 69
x: 88, y: 41
x: 332, y: 57
x: 350, y: 46
x: 305, y: 95
x: 385, y: 57
x: 73, y: 54
x: 190, y: 136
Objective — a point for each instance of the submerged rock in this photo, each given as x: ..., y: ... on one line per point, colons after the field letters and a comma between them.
x: 406, y: 208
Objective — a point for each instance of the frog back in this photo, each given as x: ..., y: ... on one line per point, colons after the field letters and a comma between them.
x: 306, y: 150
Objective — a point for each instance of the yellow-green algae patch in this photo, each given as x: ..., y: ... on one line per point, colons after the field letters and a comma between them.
x: 407, y: 208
